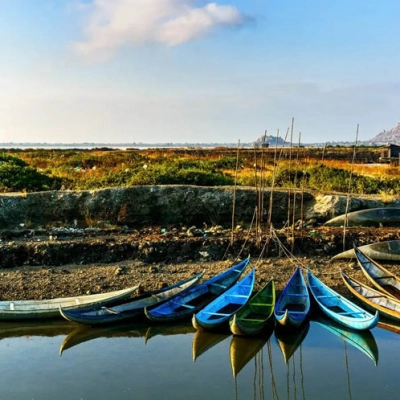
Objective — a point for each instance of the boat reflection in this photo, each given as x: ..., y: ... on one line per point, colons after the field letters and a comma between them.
x: 205, y: 340
x: 181, y: 328
x: 289, y: 341
x: 84, y: 333
x: 361, y: 340
x: 50, y: 328
x: 244, y: 349
x: 389, y: 325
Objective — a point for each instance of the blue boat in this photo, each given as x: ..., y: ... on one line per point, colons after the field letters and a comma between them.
x: 338, y: 308
x: 293, y: 304
x: 129, y: 310
x: 217, y: 313
x: 184, y: 305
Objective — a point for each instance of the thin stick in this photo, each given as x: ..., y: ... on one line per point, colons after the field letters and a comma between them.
x: 234, y: 192
x: 290, y: 169
x: 348, y: 191
x: 294, y: 192
x: 257, y: 196
x: 261, y: 205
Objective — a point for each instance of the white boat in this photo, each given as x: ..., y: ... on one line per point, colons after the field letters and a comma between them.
x: 49, y: 308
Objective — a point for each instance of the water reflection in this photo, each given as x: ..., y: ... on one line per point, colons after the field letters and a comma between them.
x: 180, y: 328
x: 203, y: 341
x: 15, y: 329
x: 361, y: 340
x: 114, y: 362
x: 289, y: 341
x: 84, y: 333
x: 243, y: 349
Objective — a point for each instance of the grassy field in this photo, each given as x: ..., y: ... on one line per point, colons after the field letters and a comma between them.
x: 337, y: 169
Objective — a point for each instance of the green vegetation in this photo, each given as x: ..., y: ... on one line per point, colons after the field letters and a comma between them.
x: 74, y: 169
x: 16, y: 175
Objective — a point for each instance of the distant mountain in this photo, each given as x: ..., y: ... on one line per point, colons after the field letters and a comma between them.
x: 391, y: 136
x: 270, y: 141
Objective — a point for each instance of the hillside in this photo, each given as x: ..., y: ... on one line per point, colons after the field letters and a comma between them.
x: 391, y: 136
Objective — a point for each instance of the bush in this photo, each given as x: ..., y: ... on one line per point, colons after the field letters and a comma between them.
x: 16, y: 175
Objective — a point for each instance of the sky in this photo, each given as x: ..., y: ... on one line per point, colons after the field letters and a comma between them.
x: 192, y: 71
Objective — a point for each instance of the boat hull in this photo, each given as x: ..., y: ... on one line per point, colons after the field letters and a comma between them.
x: 371, y: 217
x: 253, y: 317
x: 338, y: 308
x: 388, y: 250
x: 128, y: 311
x: 293, y: 305
x: 217, y: 314
x: 184, y: 305
x: 380, y: 277
x: 387, y: 306
x: 41, y: 309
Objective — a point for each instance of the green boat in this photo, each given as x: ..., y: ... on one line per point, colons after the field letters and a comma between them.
x: 252, y: 318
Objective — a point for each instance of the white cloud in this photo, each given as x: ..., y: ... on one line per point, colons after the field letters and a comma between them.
x: 112, y: 24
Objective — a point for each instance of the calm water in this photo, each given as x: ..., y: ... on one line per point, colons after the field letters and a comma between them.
x: 63, y: 361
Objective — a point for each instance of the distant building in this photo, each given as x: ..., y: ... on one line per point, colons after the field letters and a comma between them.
x: 390, y: 153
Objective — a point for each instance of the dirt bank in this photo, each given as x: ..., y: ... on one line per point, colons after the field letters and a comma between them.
x: 163, y: 258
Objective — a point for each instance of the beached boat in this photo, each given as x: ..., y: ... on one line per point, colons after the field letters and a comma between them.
x: 205, y: 340
x: 290, y: 341
x: 389, y: 216
x: 128, y: 311
x: 255, y: 314
x: 338, y: 308
x: 293, y: 305
x: 37, y: 309
x: 184, y: 305
x: 380, y: 277
x: 363, y: 341
x: 388, y: 250
x: 217, y: 313
x: 387, y: 306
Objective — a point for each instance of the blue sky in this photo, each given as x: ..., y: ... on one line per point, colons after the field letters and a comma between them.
x: 118, y: 71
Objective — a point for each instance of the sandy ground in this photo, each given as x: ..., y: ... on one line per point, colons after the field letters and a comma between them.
x: 70, y: 280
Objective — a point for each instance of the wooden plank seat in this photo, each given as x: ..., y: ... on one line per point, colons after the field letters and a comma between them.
x: 215, y: 313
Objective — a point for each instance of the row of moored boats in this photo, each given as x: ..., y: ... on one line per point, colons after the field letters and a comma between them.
x: 225, y: 301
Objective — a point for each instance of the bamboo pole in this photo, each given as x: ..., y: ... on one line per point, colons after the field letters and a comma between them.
x: 290, y: 170
x: 348, y: 191
x: 262, y: 181
x: 295, y: 191
x: 234, y: 193
x: 257, y: 196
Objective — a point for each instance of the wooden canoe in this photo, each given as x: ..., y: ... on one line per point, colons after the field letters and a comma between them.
x: 387, y: 306
x: 363, y: 341
x: 388, y: 250
x: 128, y: 311
x: 37, y: 309
x: 380, y: 277
x: 205, y: 340
x: 184, y: 305
x: 290, y: 341
x: 389, y: 216
x: 217, y: 313
x: 338, y: 308
x: 255, y: 314
x: 293, y: 305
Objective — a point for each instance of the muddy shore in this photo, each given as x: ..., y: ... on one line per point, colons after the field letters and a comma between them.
x: 162, y: 258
